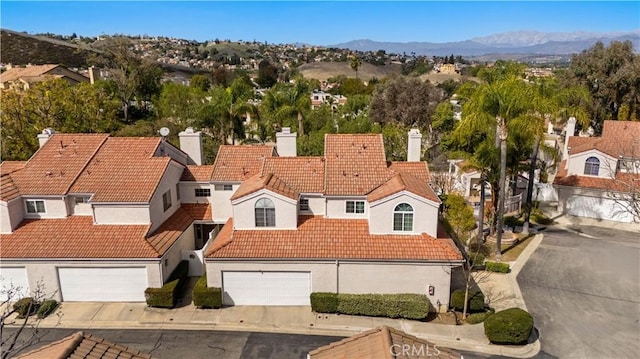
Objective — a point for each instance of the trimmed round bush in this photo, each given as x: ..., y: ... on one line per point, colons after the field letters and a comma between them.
x: 26, y: 307
x: 475, y: 300
x: 510, y: 326
x: 476, y: 258
x: 47, y: 307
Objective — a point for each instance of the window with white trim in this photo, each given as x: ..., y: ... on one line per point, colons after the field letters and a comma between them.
x: 223, y: 187
x: 403, y: 218
x: 81, y: 199
x: 35, y: 206
x: 202, y: 192
x: 304, y: 204
x: 265, y: 213
x: 166, y: 200
x: 356, y: 207
x: 592, y: 166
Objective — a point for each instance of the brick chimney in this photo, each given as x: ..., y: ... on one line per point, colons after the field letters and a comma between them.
x: 286, y: 143
x: 191, y: 144
x: 45, y: 135
x: 414, y: 145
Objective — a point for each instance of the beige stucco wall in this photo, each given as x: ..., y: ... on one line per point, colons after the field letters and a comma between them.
x: 121, y: 213
x: 55, y: 207
x: 607, y: 164
x: 188, y: 194
x: 78, y: 209
x: 425, y: 215
x: 46, y: 272
x: 316, y: 205
x: 168, y: 182
x: 221, y: 202
x: 352, y: 277
x: 244, y: 214
x: 174, y: 254
x: 336, y: 208
x: 11, y: 214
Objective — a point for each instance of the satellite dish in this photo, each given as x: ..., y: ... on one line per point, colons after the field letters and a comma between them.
x: 164, y: 132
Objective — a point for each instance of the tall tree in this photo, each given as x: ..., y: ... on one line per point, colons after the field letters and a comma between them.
x: 355, y: 63
x: 201, y: 82
x: 267, y: 74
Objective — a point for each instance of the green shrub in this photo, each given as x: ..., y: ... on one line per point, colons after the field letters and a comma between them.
x: 408, y: 306
x: 476, y: 318
x: 511, y: 221
x: 322, y: 302
x: 499, y: 267
x: 476, y: 258
x: 205, y: 297
x: 26, y: 307
x: 167, y: 296
x: 539, y: 217
x: 510, y: 326
x: 47, y: 307
x: 475, y: 300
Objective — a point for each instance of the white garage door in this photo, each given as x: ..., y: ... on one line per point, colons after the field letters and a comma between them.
x: 13, y: 279
x: 266, y: 288
x: 598, y: 208
x: 103, y: 284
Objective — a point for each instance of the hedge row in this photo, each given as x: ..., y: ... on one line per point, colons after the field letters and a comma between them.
x: 476, y: 258
x: 476, y: 318
x: 408, y: 306
x: 499, y: 267
x: 510, y: 326
x: 167, y: 296
x: 205, y: 297
x: 28, y: 306
x: 475, y: 302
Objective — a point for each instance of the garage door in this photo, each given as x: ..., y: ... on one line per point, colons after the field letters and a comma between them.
x: 266, y: 288
x: 13, y: 278
x: 103, y: 284
x: 598, y: 208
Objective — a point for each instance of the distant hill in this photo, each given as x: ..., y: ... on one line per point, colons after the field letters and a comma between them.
x: 501, y: 45
x: 324, y: 70
x: 21, y: 49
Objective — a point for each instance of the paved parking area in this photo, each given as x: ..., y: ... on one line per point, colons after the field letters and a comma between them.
x: 584, y: 293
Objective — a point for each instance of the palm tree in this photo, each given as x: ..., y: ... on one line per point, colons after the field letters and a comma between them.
x: 355, y: 63
x: 294, y: 101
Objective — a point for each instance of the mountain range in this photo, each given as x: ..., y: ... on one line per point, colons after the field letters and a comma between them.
x: 516, y: 42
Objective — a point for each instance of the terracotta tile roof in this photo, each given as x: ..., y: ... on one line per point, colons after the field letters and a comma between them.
x: 11, y: 166
x: 304, y: 174
x: 618, y: 138
x: 29, y: 71
x: 197, y: 173
x: 355, y: 164
x: 383, y: 343
x: 78, y: 237
x: 84, y: 346
x: 56, y: 165
x: 419, y: 170
x: 123, y: 170
x: 237, y: 163
x: 623, y: 182
x: 8, y: 188
x: 403, y: 181
x: 270, y: 182
x: 325, y: 238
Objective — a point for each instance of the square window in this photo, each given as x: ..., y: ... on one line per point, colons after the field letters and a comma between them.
x: 356, y: 207
x: 223, y: 187
x: 203, y: 192
x: 35, y: 206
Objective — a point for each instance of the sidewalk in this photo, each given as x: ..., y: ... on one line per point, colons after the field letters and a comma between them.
x: 503, y: 288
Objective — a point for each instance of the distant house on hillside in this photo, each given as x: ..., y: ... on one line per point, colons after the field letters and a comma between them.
x: 21, y: 78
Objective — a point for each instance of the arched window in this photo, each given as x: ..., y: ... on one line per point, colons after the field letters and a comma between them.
x: 592, y: 166
x: 403, y: 218
x: 265, y: 213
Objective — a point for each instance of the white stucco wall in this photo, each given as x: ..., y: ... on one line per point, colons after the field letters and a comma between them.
x: 336, y: 207
x: 78, y: 209
x: 244, y: 214
x: 316, y: 205
x: 425, y: 215
x: 172, y: 152
x: 46, y: 271
x: 112, y: 213
x: 188, y: 194
x: 55, y: 207
x: 352, y: 277
x: 168, y: 182
x: 221, y: 202
x: 607, y: 164
x: 173, y: 256
x: 11, y: 214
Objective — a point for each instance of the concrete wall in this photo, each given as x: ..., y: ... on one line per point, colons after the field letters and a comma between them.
x: 55, y: 207
x: 46, y: 272
x: 336, y: 208
x: 608, y: 164
x: 221, y: 202
x: 353, y: 277
x: 112, y: 213
x: 11, y: 214
x: 425, y: 215
x: 244, y: 213
x: 173, y: 256
x: 316, y: 205
x: 168, y: 183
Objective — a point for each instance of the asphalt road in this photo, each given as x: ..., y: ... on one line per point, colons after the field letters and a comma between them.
x: 584, y: 293
x: 176, y: 344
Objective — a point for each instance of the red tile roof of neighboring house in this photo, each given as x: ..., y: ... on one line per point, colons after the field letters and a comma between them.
x: 304, y: 174
x: 8, y: 188
x: 325, y: 238
x: 270, y: 182
x: 123, y: 170
x: 78, y: 237
x: 53, y: 169
x: 237, y: 163
x: 197, y: 173
x: 355, y: 164
x: 403, y: 181
x: 623, y: 181
x: 619, y: 138
x: 84, y: 346
x: 383, y: 343
x: 419, y: 170
x: 11, y: 166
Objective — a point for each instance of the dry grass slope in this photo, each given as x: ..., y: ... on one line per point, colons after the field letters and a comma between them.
x: 324, y: 70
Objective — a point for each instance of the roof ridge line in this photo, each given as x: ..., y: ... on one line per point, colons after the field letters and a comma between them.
x: 93, y: 155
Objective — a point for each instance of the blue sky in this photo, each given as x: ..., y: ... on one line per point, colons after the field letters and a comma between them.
x: 319, y: 23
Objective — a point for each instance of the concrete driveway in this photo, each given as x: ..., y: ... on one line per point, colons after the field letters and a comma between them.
x: 584, y: 293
